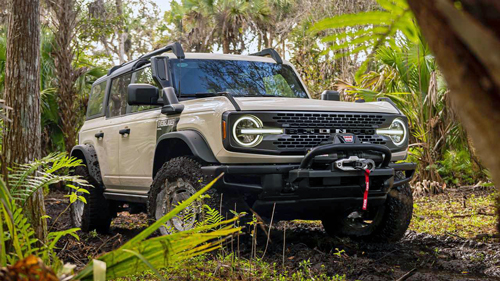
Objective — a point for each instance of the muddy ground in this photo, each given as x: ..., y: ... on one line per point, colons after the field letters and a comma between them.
x: 418, y: 256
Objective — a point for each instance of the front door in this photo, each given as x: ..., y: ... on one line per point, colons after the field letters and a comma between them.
x: 138, y: 146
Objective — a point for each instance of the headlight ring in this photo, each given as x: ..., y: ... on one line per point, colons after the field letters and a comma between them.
x: 249, y: 131
x: 397, y: 132
x: 247, y: 122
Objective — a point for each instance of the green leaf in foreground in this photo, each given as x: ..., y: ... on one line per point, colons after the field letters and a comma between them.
x: 139, y: 254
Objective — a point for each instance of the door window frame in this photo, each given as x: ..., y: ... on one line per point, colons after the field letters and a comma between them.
x: 128, y: 107
x: 104, y: 102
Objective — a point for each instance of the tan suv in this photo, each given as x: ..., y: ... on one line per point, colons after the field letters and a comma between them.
x: 159, y: 127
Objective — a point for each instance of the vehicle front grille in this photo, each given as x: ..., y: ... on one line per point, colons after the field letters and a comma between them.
x: 303, y: 130
x: 329, y: 120
x: 308, y: 141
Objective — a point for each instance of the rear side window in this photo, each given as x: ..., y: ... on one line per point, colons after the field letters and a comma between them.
x: 118, y: 95
x: 96, y: 100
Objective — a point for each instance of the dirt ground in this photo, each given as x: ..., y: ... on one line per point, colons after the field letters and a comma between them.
x: 418, y: 256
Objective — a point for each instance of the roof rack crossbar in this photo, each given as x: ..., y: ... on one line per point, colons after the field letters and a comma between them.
x: 269, y: 52
x: 175, y: 47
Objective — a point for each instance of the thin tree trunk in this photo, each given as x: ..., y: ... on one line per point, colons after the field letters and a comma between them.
x: 466, y: 42
x: 22, y: 136
x: 65, y: 21
x: 225, y: 46
x: 122, y: 35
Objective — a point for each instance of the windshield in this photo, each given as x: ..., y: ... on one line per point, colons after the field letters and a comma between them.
x: 193, y: 78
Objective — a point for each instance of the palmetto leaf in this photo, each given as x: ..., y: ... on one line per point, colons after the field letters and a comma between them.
x: 352, y: 20
x: 369, y: 30
x: 139, y: 254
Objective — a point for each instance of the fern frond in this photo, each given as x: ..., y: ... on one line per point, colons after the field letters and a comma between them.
x: 212, y: 216
x: 25, y: 179
x: 31, y: 184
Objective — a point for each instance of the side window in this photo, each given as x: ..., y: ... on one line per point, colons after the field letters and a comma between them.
x: 96, y: 100
x: 117, y: 104
x: 143, y: 76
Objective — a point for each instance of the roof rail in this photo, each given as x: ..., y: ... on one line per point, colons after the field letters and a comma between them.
x: 175, y: 47
x: 269, y: 52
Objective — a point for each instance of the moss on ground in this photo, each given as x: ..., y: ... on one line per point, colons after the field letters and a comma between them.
x: 463, y: 214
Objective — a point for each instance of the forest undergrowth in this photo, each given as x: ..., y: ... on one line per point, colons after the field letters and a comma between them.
x: 452, y: 234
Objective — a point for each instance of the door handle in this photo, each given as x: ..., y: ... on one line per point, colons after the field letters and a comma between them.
x: 99, y: 135
x: 125, y: 131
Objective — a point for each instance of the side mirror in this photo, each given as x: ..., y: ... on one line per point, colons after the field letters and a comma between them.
x: 170, y: 101
x: 142, y: 94
x: 330, y: 95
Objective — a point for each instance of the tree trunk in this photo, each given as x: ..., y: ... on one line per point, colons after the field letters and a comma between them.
x: 465, y: 38
x: 225, y: 46
x: 65, y: 21
x: 22, y: 136
x: 122, y: 34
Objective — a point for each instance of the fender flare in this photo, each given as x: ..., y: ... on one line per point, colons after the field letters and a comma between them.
x: 88, y: 154
x: 194, y: 141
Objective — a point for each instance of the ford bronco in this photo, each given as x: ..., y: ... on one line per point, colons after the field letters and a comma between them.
x: 160, y: 127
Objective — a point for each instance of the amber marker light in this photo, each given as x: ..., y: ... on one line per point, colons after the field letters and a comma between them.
x: 224, y: 134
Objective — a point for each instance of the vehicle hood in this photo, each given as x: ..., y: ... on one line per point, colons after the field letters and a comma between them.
x: 297, y: 104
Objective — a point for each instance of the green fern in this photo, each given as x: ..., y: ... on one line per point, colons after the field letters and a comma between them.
x: 25, y: 179
x: 212, y: 216
x: 17, y: 236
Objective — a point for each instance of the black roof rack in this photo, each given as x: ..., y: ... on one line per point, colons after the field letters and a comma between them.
x: 269, y: 52
x: 175, y: 47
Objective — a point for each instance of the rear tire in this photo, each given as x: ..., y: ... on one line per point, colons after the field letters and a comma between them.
x: 388, y: 223
x: 95, y: 215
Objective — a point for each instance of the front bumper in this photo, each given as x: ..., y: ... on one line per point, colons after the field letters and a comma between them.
x: 304, y: 191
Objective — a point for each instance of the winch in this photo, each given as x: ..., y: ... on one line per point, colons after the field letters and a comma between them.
x: 354, y: 163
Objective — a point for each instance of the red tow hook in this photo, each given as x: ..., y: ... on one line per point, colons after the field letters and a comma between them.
x: 367, y: 183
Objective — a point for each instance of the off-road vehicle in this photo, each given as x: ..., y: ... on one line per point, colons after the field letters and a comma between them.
x: 160, y: 127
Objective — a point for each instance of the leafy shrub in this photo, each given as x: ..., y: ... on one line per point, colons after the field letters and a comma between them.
x: 456, y: 168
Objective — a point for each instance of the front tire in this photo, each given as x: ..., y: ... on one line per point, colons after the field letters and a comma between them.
x: 95, y: 215
x: 176, y: 181
x: 388, y: 223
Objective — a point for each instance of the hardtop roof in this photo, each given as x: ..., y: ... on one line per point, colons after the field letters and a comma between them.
x: 126, y: 67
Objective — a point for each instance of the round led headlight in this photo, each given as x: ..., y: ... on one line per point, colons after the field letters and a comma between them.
x: 246, y: 131
x: 397, y: 132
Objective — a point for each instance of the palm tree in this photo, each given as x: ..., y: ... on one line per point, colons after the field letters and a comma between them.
x: 232, y: 18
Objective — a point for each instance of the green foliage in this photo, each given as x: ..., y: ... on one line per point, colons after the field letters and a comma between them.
x: 140, y: 253
x: 370, y: 30
x: 232, y: 267
x: 464, y: 214
x: 408, y: 74
x: 18, y: 240
x: 457, y: 169
x: 212, y: 216
x: 25, y: 179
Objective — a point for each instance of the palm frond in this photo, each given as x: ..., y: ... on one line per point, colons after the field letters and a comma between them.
x: 139, y: 254
x: 369, y: 30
